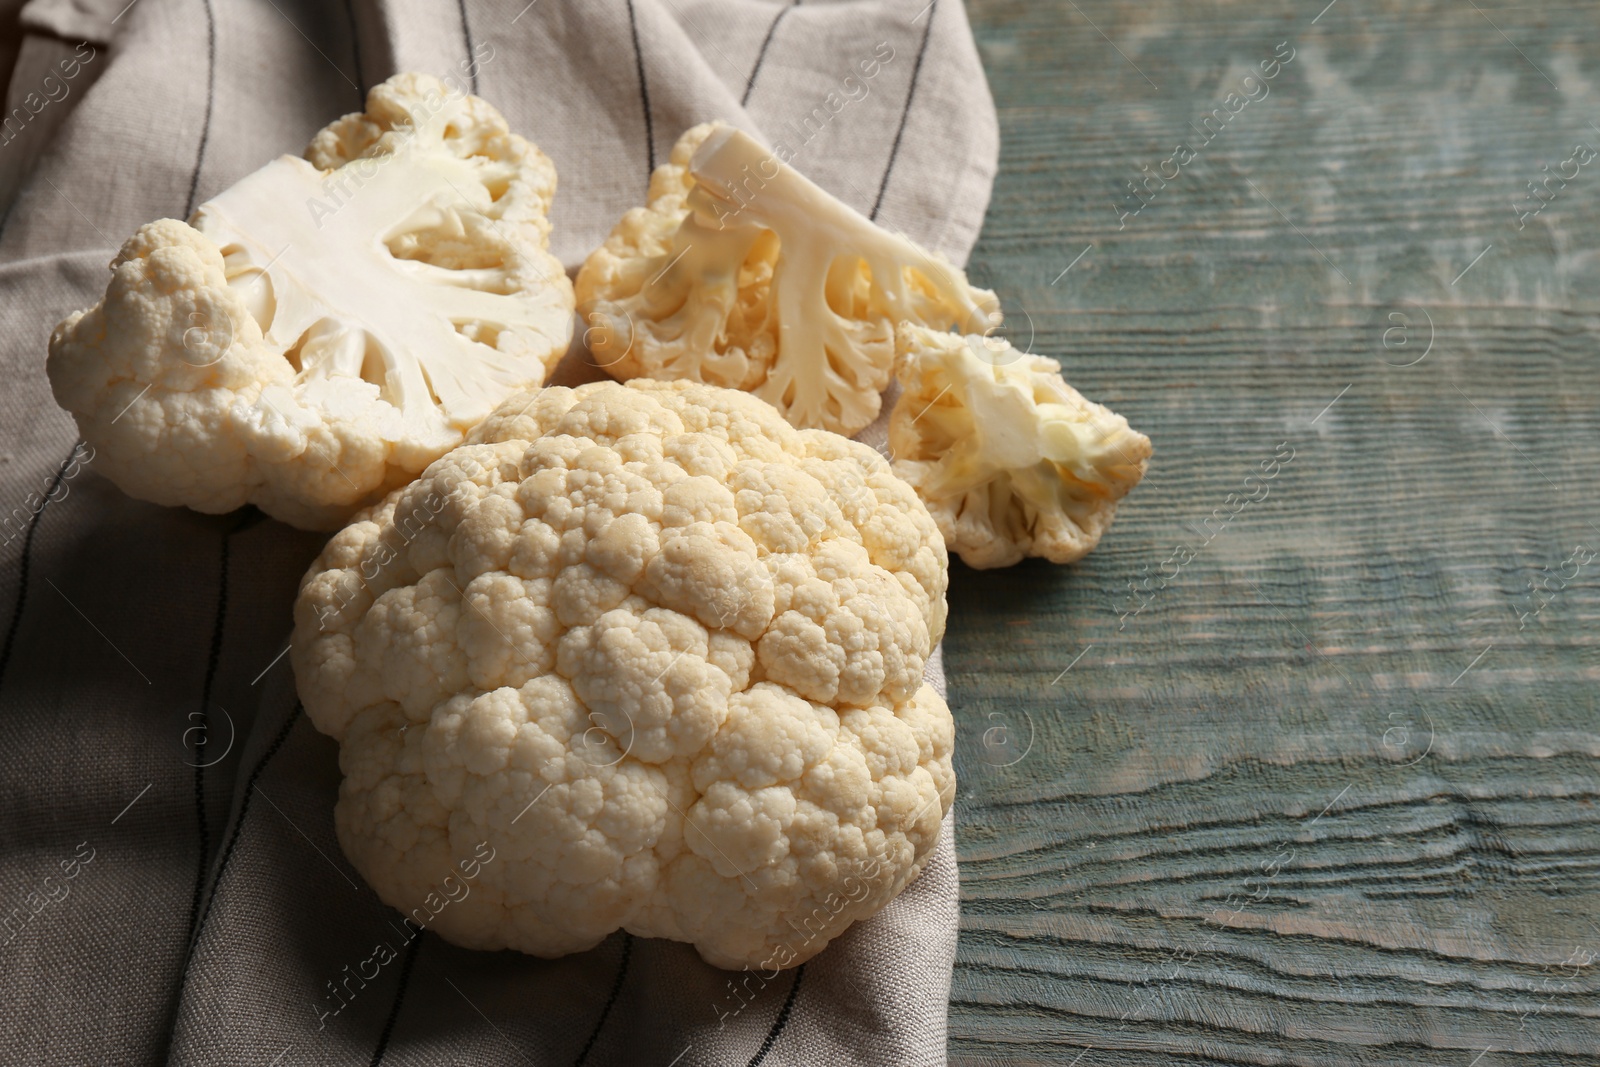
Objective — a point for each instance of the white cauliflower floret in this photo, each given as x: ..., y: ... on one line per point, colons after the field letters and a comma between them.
x: 323, y: 330
x: 1010, y: 460
x: 744, y: 274
x: 662, y: 652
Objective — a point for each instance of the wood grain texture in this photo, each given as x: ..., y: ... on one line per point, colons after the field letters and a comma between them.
x: 1329, y: 797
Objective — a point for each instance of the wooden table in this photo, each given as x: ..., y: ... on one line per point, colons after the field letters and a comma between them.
x: 1328, y: 795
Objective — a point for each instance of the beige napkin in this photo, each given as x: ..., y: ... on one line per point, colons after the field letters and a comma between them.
x: 152, y: 908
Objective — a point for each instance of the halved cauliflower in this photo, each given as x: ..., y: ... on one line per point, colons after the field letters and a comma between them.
x: 1010, y: 459
x: 742, y: 273
x: 323, y: 330
x: 661, y: 652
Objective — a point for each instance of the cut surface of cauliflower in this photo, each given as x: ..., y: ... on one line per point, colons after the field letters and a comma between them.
x: 742, y: 273
x: 321, y: 331
x: 661, y: 653
x: 1010, y: 460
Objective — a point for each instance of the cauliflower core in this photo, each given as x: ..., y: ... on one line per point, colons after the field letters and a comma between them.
x: 1009, y: 458
x: 323, y: 330
x: 657, y: 648
x: 742, y: 273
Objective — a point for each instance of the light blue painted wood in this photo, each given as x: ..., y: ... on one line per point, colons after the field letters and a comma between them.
x: 1329, y: 796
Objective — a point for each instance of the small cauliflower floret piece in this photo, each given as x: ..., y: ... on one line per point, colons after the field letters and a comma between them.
x: 1010, y: 459
x: 321, y: 331
x: 742, y: 273
x: 659, y: 654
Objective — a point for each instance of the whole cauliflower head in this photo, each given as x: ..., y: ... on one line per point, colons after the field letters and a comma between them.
x: 324, y: 329
x: 740, y: 272
x: 1010, y: 459
x: 655, y: 651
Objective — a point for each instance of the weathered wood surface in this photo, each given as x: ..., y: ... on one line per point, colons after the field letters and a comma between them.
x: 1329, y: 797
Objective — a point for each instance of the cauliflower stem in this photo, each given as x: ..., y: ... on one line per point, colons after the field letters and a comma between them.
x: 743, y: 273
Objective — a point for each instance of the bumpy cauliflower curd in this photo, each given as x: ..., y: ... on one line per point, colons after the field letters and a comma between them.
x: 1010, y: 460
x: 662, y: 652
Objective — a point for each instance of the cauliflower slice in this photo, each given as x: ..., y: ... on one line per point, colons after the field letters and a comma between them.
x: 743, y: 273
x: 1009, y: 459
x: 658, y: 652
x: 324, y: 329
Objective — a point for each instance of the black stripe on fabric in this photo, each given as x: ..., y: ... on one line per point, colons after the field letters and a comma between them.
x: 605, y: 1012
x: 27, y: 552
x: 205, y: 723
x: 215, y: 657
x: 399, y: 998
x: 355, y: 51
x: 222, y: 867
x: 911, y: 92
x: 761, y: 56
x: 238, y: 827
x: 644, y: 91
x: 211, y: 92
x: 472, y: 55
x: 780, y: 1022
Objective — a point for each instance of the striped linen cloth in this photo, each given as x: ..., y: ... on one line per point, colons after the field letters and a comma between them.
x: 171, y: 889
